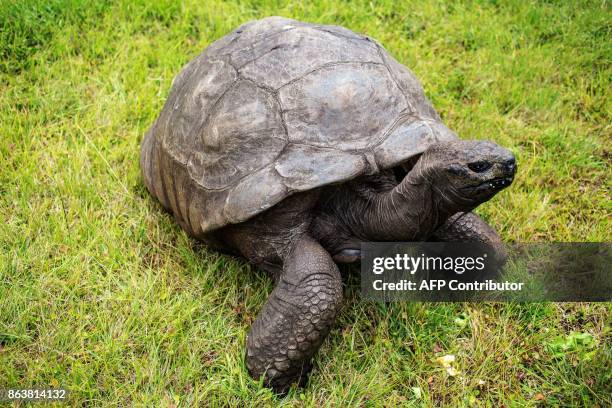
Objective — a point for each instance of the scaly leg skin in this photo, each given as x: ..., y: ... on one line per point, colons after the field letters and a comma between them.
x: 466, y: 227
x: 296, y: 318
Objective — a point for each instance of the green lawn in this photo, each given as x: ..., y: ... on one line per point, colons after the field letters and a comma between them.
x: 101, y: 292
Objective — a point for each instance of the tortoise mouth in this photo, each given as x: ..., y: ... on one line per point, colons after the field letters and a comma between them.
x: 492, y: 185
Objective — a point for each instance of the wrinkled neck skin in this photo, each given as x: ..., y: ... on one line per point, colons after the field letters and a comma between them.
x: 412, y: 210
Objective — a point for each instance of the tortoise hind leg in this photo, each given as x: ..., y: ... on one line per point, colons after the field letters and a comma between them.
x: 296, y: 318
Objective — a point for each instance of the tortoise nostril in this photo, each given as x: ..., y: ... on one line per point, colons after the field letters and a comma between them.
x: 510, y: 165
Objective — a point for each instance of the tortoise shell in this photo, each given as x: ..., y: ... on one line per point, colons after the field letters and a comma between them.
x: 277, y: 107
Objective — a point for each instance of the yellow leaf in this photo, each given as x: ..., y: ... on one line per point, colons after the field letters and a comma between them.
x: 446, y: 360
x: 452, y: 371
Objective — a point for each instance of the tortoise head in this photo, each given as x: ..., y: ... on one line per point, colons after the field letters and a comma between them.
x: 467, y: 173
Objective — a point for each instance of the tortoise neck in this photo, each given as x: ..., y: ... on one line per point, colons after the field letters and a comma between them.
x: 411, y: 211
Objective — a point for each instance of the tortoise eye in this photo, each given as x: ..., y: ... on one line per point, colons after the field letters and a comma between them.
x: 480, y: 166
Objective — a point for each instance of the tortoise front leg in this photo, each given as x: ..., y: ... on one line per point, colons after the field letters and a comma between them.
x: 466, y: 227
x: 296, y: 318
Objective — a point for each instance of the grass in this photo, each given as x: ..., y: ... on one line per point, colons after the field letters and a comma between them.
x: 101, y: 292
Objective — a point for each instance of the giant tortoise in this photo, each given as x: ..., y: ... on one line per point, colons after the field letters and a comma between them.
x: 289, y: 143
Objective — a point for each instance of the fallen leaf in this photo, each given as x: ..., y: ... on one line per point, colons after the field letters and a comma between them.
x: 539, y: 396
x: 446, y: 360
x: 452, y: 371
